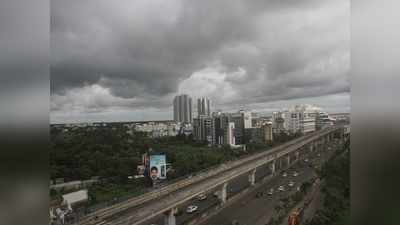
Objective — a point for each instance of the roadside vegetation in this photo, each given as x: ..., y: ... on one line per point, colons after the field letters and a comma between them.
x: 286, y: 204
x: 336, y: 191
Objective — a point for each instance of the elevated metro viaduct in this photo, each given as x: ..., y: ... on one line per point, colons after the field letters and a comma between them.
x: 166, y: 200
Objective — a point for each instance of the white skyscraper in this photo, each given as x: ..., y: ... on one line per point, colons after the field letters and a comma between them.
x: 231, y: 134
x: 183, y: 109
x: 301, y: 118
x: 203, y: 106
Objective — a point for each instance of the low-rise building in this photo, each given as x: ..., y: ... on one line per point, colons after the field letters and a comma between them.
x: 158, y: 129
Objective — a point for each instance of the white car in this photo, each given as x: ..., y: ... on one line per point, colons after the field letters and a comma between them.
x: 284, y: 174
x: 291, y: 184
x: 191, y: 208
x: 281, y: 188
x: 295, y: 174
x: 271, y: 191
x: 306, y: 160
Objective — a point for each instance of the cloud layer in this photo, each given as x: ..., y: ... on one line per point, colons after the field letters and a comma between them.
x: 114, y: 56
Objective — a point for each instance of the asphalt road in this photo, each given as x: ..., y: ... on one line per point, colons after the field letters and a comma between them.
x: 250, y: 210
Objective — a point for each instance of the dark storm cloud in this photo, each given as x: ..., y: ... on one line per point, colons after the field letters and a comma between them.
x: 90, y: 41
x: 140, y: 51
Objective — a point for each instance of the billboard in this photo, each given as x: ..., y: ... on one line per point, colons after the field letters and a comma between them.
x: 158, y: 167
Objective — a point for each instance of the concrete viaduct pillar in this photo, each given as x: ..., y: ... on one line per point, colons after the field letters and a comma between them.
x: 223, y: 193
x: 288, y: 160
x: 273, y: 167
x: 297, y: 155
x: 169, y: 216
x: 252, y: 177
x: 311, y: 147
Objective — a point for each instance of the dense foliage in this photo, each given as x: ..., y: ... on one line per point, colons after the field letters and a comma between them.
x: 86, y: 152
x: 336, y: 191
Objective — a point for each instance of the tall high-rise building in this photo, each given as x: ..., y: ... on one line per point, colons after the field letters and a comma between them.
x: 268, y: 136
x: 221, y: 125
x: 322, y: 120
x: 230, y: 134
x: 278, y: 122
x: 203, y: 107
x: 203, y: 128
x: 242, y: 121
x: 301, y: 118
x: 183, y: 108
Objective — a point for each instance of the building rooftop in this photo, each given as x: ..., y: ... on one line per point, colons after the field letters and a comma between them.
x: 75, y: 197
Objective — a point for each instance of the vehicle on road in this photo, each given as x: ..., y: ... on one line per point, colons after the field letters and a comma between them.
x: 284, y: 174
x: 291, y: 184
x: 201, y: 197
x: 295, y: 217
x: 191, y: 208
x: 281, y: 188
x: 271, y: 191
x: 306, y: 160
x: 295, y: 173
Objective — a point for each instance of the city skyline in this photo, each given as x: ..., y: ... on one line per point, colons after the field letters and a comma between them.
x: 252, y: 55
x: 279, y: 106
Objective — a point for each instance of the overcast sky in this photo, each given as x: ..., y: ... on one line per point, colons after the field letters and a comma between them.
x: 125, y: 60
